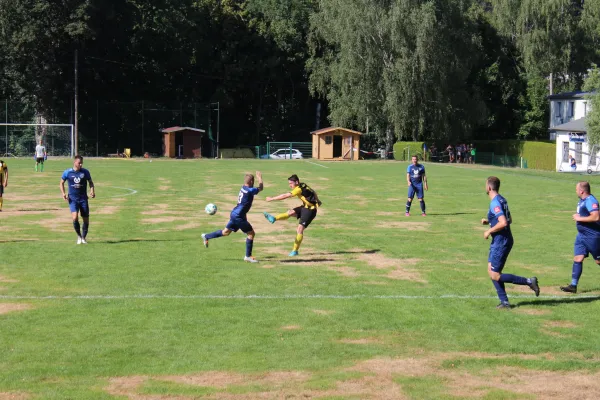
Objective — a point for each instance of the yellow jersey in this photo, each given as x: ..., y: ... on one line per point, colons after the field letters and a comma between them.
x: 3, y: 170
x: 308, y: 196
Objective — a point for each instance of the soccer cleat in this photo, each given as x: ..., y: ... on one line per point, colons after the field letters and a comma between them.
x: 534, y: 286
x: 205, y: 240
x: 407, y: 214
x: 269, y: 217
x: 250, y: 259
x: 79, y: 240
x: 569, y: 289
x: 504, y: 306
x: 83, y: 241
x: 293, y: 253
x: 423, y: 215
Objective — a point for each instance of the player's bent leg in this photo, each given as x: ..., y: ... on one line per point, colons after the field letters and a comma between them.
x: 1, y: 201
x: 576, y: 272
x: 422, y: 203
x: 495, y: 274
x: 297, y: 240
x: 249, y: 243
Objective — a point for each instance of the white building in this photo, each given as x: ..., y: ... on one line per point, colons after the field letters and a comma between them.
x: 566, y: 107
x: 571, y: 141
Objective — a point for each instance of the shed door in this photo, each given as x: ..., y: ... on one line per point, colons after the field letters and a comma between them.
x: 337, y: 146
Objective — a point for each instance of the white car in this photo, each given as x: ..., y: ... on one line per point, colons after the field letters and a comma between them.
x: 286, y: 154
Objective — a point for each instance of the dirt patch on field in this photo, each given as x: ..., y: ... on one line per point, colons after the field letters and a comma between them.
x: 379, y: 380
x: 345, y: 271
x: 366, y: 178
x: 389, y: 214
x: 6, y: 308
x: 291, y: 328
x: 323, y: 312
x: 14, y: 396
x: 189, y: 225
x: 266, y: 266
x: 406, y: 225
x: 559, y: 324
x: 4, y: 279
x: 532, y: 311
x: 158, y: 209
x: 398, y: 268
x: 361, y: 341
x: 108, y: 210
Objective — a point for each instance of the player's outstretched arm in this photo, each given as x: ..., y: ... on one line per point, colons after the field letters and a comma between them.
x: 280, y: 197
x: 260, y: 181
x: 425, y: 185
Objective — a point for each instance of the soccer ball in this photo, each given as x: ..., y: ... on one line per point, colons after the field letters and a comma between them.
x: 210, y: 209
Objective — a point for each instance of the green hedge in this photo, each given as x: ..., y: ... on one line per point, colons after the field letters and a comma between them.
x: 539, y: 155
x: 401, y: 154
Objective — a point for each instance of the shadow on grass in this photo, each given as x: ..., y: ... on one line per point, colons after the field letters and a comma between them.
x: 36, y: 209
x: 135, y: 240
x: 307, y: 260
x: 596, y: 289
x: 372, y: 251
x: 557, y: 302
x: 458, y: 213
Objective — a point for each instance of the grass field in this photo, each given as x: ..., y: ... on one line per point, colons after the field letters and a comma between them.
x: 377, y: 305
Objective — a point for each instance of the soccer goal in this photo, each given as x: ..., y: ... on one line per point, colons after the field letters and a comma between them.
x: 19, y: 140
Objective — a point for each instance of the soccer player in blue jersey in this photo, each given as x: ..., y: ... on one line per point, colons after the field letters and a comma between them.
x: 587, y: 240
x: 237, y: 219
x: 499, y: 219
x: 78, y: 178
x: 417, y: 180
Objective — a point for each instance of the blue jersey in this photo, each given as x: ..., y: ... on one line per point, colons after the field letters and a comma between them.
x: 245, y: 198
x: 499, y: 207
x: 416, y: 172
x: 585, y: 208
x: 77, y: 181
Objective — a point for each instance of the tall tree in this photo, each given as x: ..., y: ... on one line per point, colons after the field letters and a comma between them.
x: 592, y: 85
x: 402, y: 65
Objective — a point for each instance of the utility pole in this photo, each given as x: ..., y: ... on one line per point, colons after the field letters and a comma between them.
x: 76, y: 134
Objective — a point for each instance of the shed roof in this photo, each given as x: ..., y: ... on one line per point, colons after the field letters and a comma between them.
x: 577, y: 125
x: 568, y: 95
x: 181, y: 128
x: 332, y: 129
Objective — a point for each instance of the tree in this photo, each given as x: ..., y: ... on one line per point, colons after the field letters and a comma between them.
x: 592, y: 85
x: 404, y: 66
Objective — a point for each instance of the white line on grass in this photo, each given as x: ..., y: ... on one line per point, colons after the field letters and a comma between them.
x: 131, y: 191
x: 314, y: 163
x: 283, y: 297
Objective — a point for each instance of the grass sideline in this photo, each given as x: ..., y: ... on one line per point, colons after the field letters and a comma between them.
x: 376, y: 305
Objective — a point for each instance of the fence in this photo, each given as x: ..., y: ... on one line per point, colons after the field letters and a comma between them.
x: 106, y: 127
x: 280, y: 150
x: 500, y: 160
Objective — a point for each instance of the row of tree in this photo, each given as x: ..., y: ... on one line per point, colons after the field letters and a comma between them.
x: 410, y: 69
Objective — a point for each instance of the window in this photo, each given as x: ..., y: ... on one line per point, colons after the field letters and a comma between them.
x: 565, y: 157
x: 578, y: 150
x: 571, y: 110
x: 328, y: 139
x: 559, y: 109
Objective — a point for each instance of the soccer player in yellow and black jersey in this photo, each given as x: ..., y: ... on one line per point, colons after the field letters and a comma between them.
x: 304, y: 213
x: 3, y: 181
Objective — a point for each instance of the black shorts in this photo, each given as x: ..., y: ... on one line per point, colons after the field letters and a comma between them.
x: 305, y: 215
x: 39, y: 160
x: 1, y: 189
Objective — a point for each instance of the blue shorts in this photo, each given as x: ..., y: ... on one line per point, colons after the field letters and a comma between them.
x: 418, y: 189
x: 236, y: 224
x: 584, y: 246
x: 79, y: 205
x: 499, y: 253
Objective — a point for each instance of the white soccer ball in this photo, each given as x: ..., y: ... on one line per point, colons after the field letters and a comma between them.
x: 210, y: 209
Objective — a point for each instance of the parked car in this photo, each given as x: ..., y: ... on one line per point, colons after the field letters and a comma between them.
x: 283, y: 154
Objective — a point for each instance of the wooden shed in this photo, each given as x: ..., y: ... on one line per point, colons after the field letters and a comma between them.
x: 335, y: 144
x: 182, y: 142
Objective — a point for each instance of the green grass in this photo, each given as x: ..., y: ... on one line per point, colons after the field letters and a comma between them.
x: 370, y: 285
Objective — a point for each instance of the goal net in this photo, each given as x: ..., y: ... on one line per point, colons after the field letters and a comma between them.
x: 19, y: 140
